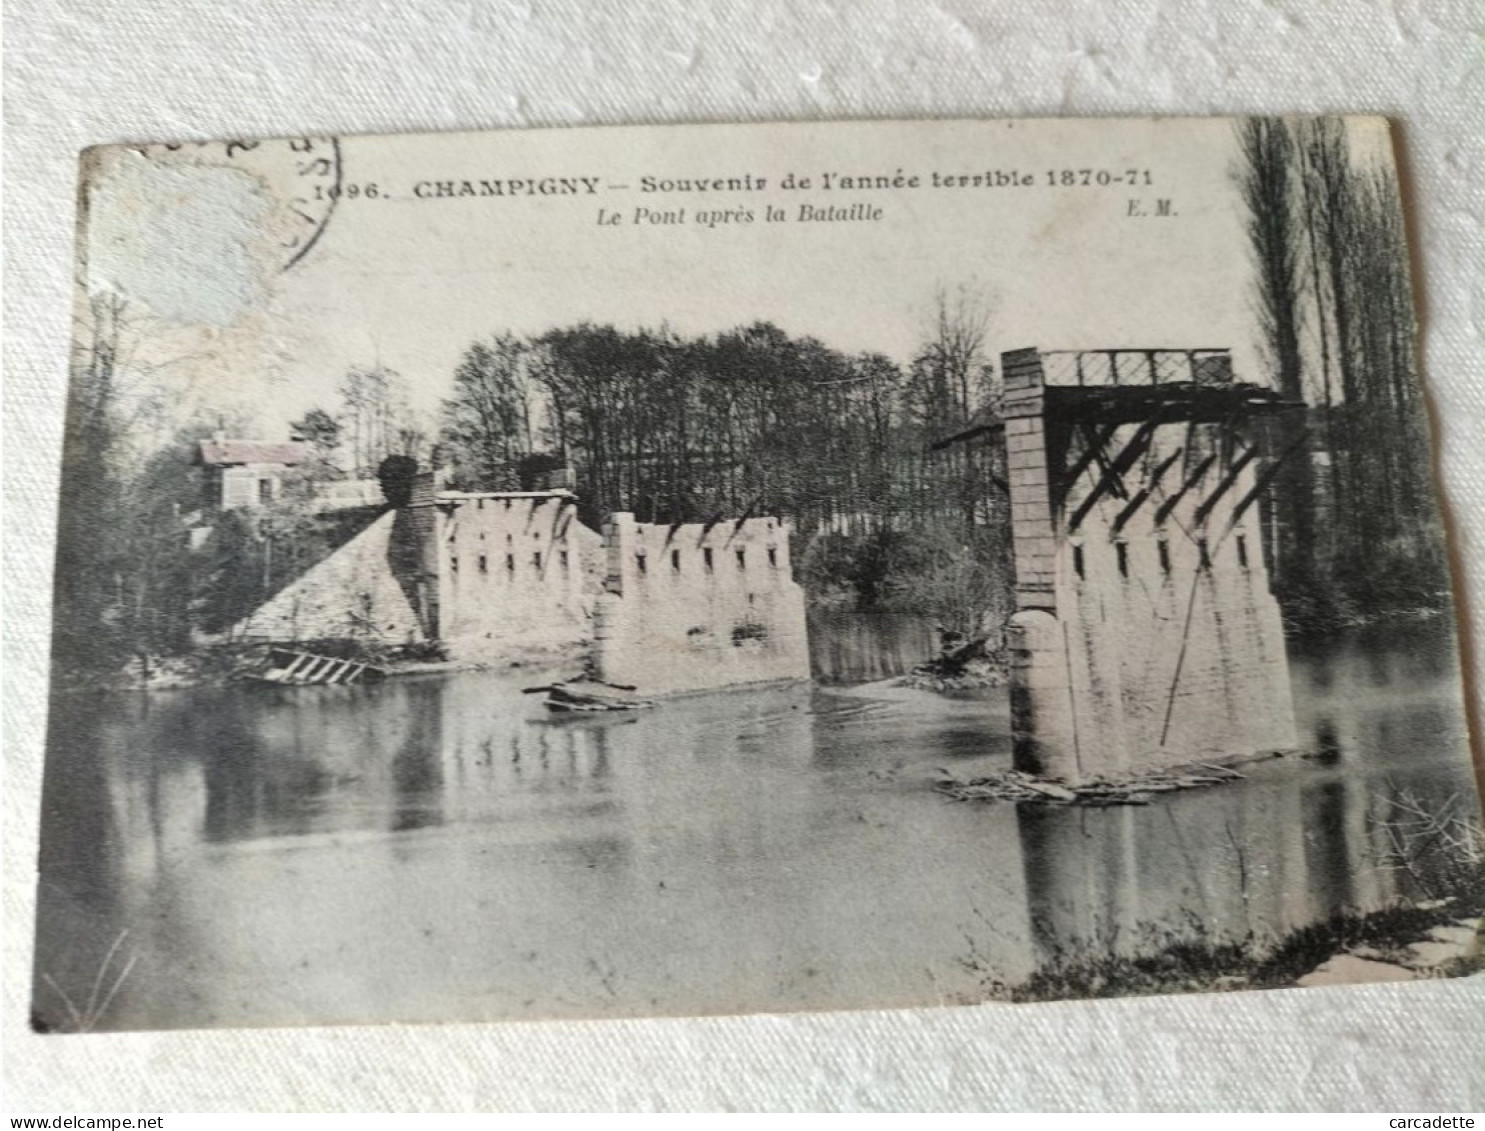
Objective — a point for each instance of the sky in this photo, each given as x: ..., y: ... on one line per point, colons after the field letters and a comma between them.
x: 238, y: 308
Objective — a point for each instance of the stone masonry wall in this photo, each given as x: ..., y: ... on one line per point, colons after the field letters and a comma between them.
x: 511, y: 572
x: 692, y: 607
x: 352, y: 594
x: 1150, y: 646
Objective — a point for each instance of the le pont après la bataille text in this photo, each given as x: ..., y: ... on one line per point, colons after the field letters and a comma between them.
x: 677, y: 199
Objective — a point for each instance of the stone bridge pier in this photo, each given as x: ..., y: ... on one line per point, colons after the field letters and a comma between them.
x: 1145, y: 635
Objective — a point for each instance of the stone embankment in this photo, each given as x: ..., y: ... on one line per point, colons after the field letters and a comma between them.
x: 1445, y: 948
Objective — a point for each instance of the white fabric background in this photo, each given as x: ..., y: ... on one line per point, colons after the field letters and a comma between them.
x: 85, y: 71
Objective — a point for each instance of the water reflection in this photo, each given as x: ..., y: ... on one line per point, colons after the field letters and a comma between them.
x: 848, y: 647
x: 439, y: 848
x: 417, y: 767
x: 1281, y: 852
x: 1327, y: 743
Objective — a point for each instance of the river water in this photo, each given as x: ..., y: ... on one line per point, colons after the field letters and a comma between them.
x: 435, y: 848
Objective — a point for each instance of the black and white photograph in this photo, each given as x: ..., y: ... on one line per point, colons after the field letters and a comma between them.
x: 712, y: 569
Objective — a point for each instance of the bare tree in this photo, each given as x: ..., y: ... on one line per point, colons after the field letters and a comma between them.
x: 487, y: 423
x: 377, y: 418
x: 952, y: 380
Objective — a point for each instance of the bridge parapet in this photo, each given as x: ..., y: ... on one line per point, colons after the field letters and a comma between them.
x: 1159, y: 366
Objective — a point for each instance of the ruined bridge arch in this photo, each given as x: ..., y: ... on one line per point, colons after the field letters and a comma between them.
x: 1146, y: 634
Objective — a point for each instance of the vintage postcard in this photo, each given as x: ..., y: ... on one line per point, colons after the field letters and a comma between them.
x: 698, y: 569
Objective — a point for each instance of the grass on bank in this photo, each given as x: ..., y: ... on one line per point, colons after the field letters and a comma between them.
x: 1200, y: 965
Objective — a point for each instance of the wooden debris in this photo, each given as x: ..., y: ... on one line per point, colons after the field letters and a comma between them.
x: 1226, y: 771
x: 286, y: 666
x: 588, y: 696
x: 1015, y: 786
x: 579, y: 680
x: 1047, y: 789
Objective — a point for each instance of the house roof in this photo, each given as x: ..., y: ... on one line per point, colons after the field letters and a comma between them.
x: 216, y: 453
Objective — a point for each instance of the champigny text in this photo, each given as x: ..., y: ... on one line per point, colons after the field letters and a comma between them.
x: 515, y: 186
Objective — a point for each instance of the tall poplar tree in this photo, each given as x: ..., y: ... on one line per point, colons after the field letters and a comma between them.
x: 1269, y: 188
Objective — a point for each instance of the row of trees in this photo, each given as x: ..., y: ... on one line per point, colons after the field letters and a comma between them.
x: 1358, y: 528
x: 677, y: 429
x: 755, y: 421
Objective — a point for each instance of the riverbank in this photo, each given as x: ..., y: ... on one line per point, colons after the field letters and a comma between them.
x: 1442, y: 938
x: 218, y: 665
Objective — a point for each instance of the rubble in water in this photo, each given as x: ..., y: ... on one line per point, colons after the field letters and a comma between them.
x: 1012, y: 785
x: 961, y: 665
